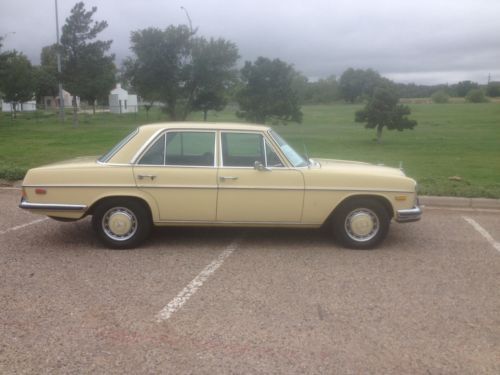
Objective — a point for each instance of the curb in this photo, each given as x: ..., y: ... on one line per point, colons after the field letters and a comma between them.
x: 459, y: 202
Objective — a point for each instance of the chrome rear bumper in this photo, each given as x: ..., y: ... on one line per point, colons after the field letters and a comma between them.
x: 51, y: 206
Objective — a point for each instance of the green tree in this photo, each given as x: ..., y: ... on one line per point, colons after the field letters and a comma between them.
x: 476, y: 96
x: 325, y: 90
x: 440, y: 97
x: 213, y: 63
x: 182, y: 71
x: 16, y: 78
x: 207, y: 100
x: 45, y: 84
x: 301, y: 85
x: 87, y: 70
x: 462, y: 88
x: 358, y: 84
x: 267, y: 92
x: 383, y: 110
x: 493, y: 89
x: 45, y: 75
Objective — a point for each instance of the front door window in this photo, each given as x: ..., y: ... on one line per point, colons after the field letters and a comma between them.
x: 244, y: 149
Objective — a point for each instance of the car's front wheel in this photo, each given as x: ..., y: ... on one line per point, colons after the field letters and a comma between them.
x: 361, y: 223
x: 122, y: 223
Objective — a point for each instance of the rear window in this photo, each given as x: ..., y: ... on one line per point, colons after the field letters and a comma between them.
x: 183, y: 148
x: 108, y: 155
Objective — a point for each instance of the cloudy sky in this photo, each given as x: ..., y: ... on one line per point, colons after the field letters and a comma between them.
x: 421, y: 41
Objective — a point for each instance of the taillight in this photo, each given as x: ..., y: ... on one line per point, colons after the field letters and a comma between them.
x: 40, y: 191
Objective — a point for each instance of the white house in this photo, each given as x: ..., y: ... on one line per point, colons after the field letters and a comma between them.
x: 21, y: 107
x: 52, y: 102
x: 121, y: 102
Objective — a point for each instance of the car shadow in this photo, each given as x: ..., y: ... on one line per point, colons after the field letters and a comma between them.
x: 79, y: 235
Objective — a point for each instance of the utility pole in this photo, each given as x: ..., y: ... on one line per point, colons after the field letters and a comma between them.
x: 189, y: 19
x: 61, y: 96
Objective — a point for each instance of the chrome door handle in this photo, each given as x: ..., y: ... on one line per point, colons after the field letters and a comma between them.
x: 143, y: 176
x: 224, y: 178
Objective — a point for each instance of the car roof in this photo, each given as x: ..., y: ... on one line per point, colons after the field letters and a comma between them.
x: 203, y: 126
x: 146, y: 132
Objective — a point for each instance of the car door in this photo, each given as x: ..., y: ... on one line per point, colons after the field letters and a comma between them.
x: 178, y: 169
x: 255, y: 184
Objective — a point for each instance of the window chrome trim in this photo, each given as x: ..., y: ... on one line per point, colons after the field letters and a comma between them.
x: 145, y: 145
x: 277, y: 146
x: 111, y: 153
x: 113, y: 164
x: 151, y: 141
x: 278, y: 150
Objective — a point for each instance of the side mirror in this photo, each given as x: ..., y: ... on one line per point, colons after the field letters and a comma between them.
x: 260, y: 167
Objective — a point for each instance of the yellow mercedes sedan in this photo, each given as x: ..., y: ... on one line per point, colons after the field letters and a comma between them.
x: 210, y: 174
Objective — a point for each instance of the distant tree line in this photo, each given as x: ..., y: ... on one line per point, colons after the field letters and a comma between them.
x: 186, y: 72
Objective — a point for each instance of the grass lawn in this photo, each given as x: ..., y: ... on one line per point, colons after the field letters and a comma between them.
x: 451, y: 140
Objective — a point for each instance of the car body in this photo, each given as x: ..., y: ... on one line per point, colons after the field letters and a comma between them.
x: 219, y: 174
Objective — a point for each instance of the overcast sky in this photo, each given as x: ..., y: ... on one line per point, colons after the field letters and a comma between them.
x: 421, y: 41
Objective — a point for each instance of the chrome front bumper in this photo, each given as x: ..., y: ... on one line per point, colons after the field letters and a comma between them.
x: 409, y: 215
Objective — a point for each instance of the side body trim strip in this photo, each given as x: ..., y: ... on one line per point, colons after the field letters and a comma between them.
x: 356, y: 190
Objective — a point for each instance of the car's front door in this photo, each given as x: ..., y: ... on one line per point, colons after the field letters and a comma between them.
x: 178, y: 170
x: 266, y: 192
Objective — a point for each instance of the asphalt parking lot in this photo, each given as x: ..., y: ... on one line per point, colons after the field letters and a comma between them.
x: 250, y: 301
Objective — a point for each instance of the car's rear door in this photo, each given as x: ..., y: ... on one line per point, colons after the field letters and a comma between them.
x: 178, y: 169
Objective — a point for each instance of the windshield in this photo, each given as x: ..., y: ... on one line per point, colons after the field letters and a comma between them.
x: 108, y: 155
x: 292, y: 155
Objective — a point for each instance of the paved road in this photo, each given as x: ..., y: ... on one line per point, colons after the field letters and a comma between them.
x: 262, y: 301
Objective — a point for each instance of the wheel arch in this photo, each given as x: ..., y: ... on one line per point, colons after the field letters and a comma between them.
x: 148, y: 202
x: 378, y: 197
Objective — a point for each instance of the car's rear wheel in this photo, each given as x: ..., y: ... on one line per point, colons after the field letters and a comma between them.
x: 122, y: 223
x: 361, y: 223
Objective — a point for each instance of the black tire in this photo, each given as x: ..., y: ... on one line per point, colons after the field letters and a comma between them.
x: 361, y: 223
x: 122, y: 223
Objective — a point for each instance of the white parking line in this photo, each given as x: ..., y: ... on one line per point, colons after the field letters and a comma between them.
x: 23, y: 225
x: 195, y: 284
x: 9, y: 188
x: 483, y: 232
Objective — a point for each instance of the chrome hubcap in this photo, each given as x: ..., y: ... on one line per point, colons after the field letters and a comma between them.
x: 119, y: 223
x: 362, y: 224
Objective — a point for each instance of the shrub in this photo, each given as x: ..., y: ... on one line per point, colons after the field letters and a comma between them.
x: 476, y: 96
x: 11, y: 173
x: 440, y: 97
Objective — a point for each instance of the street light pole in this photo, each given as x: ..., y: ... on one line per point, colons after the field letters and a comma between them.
x: 189, y: 19
x: 61, y: 97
